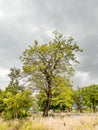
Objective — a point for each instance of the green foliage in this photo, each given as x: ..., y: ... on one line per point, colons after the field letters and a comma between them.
x: 41, y: 100
x: 2, y: 105
x: 15, y: 101
x: 14, y: 75
x: 14, y: 87
x: 17, y: 106
x: 62, y: 96
x: 91, y: 96
x: 87, y: 97
x: 79, y: 98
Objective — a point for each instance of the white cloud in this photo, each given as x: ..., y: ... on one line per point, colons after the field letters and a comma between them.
x: 82, y: 79
x: 2, y: 15
x: 4, y: 80
x: 83, y: 76
x: 3, y: 72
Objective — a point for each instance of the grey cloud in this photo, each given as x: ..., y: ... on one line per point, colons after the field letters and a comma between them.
x: 89, y: 62
x: 23, y: 21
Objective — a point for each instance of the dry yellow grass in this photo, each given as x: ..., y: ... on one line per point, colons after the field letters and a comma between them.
x: 82, y: 122
x: 85, y: 122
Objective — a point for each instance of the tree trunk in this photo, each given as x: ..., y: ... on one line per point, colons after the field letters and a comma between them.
x: 48, y: 93
x: 16, y: 115
x: 46, y: 109
x: 80, y: 108
x: 93, y: 104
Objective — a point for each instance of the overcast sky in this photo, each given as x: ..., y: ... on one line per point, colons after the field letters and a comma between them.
x: 23, y: 21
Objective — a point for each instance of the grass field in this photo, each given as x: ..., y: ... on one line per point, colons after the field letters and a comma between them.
x: 72, y: 122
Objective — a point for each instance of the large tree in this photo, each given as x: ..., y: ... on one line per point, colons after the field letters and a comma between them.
x: 42, y: 63
x: 17, y: 105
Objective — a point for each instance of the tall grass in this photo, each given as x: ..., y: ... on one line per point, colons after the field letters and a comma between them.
x: 83, y: 122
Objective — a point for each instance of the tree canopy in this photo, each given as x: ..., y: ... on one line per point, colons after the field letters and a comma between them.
x: 44, y: 63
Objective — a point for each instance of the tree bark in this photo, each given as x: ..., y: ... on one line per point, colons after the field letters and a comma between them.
x: 93, y: 104
x: 46, y: 109
x: 80, y: 108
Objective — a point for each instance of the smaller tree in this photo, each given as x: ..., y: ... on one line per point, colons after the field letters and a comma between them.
x: 16, y: 100
x: 14, y: 85
x: 17, y: 106
x: 91, y: 96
